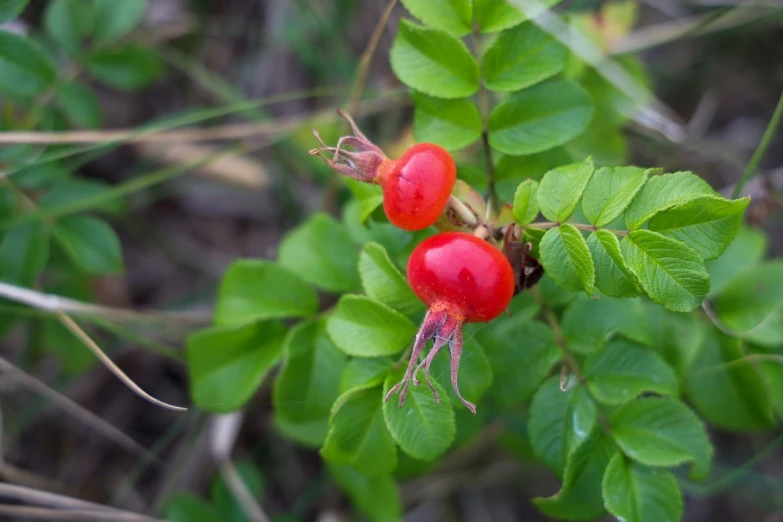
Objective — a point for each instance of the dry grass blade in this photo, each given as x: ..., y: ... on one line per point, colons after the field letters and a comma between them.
x: 80, y: 334
x: 79, y: 515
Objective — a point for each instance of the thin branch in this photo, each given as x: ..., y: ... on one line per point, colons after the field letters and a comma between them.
x: 76, y: 330
x: 463, y: 211
x: 483, y: 104
x: 766, y: 139
x: 74, y: 515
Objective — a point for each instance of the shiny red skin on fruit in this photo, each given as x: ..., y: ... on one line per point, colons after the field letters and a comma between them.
x: 463, y: 274
x: 417, y: 186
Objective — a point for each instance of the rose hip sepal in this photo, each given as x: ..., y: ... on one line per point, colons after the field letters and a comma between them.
x: 416, y: 187
x: 461, y: 279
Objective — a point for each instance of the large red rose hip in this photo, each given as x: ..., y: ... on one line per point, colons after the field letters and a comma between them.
x: 416, y: 187
x: 461, y: 279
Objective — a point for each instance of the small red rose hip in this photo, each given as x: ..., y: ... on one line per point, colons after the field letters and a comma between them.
x: 461, y: 279
x: 416, y: 187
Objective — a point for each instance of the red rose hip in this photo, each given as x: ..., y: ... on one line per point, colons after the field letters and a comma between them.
x: 416, y: 187
x: 462, y: 279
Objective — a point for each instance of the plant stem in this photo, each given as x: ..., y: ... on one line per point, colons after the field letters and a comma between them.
x: 753, y: 164
x: 463, y: 211
x: 483, y: 104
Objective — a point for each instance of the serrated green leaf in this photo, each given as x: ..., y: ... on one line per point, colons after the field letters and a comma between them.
x: 475, y: 374
x: 566, y: 258
x: 309, y: 381
x: 669, y: 271
x: 726, y: 390
x: 521, y: 57
x: 562, y: 187
x: 91, y: 244
x: 256, y: 289
x: 664, y: 192
x: 79, y: 104
x: 10, y: 9
x: 612, y: 275
x: 526, y: 202
x: 321, y: 252
x: 69, y: 22
x: 114, y: 20
x: 24, y: 251
x: 496, y: 15
x: 39, y: 177
x: 126, y: 68
x: 580, y: 496
x: 539, y: 118
x: 610, y: 191
x: 423, y: 428
x: 452, y: 124
x: 452, y: 16
x: 25, y: 70
x: 227, y: 364
x: 662, y: 432
x: 382, y: 281
x: 365, y: 372
x: 623, y: 370
x: 377, y: 497
x: 636, y: 493
x: 363, y: 327
x: 751, y: 296
x: 308, y: 433
x: 744, y: 253
x: 67, y: 193
x: 358, y: 436
x: 708, y: 224
x: 586, y: 324
x: 560, y: 422
x: 433, y: 62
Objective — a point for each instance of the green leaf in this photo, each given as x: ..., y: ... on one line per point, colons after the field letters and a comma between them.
x: 358, y: 436
x: 708, y: 224
x: 382, y: 281
x: 751, y: 296
x: 587, y: 323
x: 67, y: 193
x: 539, y: 118
x: 475, y: 374
x: 636, y: 493
x: 24, y: 252
x: 321, y: 252
x: 433, y: 62
x: 661, y: 431
x: 676, y: 337
x: 114, y: 20
x: 496, y: 15
x: 79, y: 104
x: 10, y: 9
x: 624, y: 370
x: 580, y: 496
x: 744, y: 253
x: 226, y: 365
x: 566, y: 258
x: 258, y: 289
x: 126, y: 68
x: 669, y: 271
x: 725, y: 389
x: 309, y: 381
x: 562, y: 187
x: 39, y: 177
x: 308, y: 433
x: 188, y: 507
x: 452, y: 16
x: 68, y: 21
x: 365, y: 372
x: 612, y: 275
x: 229, y: 508
x: 423, y: 428
x: 521, y: 354
x: 452, y: 124
x: 74, y: 357
x: 560, y: 421
x: 521, y: 57
x: 526, y: 202
x: 363, y: 327
x: 377, y: 497
x: 610, y: 191
x: 25, y: 70
x: 91, y: 244
x: 662, y: 193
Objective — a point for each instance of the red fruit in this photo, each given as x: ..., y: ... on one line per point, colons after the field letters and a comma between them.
x: 461, y: 278
x: 416, y: 187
